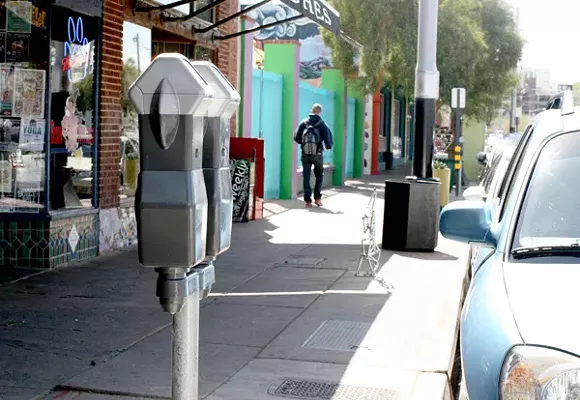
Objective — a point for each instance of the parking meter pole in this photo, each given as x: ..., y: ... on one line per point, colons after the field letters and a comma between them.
x: 185, y: 360
x: 411, y: 221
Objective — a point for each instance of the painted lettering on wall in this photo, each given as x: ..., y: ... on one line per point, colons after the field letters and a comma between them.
x: 318, y: 11
x: 76, y: 51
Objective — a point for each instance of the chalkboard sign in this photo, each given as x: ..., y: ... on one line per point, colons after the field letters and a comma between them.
x: 240, y: 174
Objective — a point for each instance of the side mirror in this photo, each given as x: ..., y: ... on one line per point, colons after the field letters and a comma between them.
x: 468, y: 222
x: 481, y: 158
x: 474, y: 193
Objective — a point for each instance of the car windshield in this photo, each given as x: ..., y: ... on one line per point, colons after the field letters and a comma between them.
x: 550, y: 213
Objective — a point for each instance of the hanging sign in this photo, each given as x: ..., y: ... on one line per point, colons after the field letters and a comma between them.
x: 318, y: 11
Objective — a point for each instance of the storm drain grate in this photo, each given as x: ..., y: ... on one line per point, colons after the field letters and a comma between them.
x: 303, y: 260
x: 338, y: 335
x: 318, y: 390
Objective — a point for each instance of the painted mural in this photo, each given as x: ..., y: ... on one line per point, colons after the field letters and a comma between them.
x: 314, y: 55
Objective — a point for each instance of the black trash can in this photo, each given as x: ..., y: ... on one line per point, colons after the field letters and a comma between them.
x: 411, y: 218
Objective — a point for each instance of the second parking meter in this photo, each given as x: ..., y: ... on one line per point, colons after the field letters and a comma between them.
x: 216, y: 151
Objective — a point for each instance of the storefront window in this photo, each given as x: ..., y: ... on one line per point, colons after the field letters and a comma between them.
x: 23, y: 69
x: 72, y: 114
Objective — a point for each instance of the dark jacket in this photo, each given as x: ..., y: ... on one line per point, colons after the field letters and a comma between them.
x: 325, y: 133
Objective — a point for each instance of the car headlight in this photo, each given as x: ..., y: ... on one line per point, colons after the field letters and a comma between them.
x: 537, y: 373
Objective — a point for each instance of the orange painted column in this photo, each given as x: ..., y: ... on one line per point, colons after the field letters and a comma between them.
x: 376, y: 131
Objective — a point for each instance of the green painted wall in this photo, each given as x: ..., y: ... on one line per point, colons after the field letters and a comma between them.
x: 332, y: 79
x: 283, y: 59
x: 355, y: 92
x: 474, y: 134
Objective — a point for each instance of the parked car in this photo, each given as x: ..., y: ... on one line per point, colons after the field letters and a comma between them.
x: 495, y: 166
x: 518, y: 336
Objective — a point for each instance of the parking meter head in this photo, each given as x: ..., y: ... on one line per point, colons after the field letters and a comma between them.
x: 226, y: 99
x: 216, y: 170
x: 156, y: 86
x: 171, y: 201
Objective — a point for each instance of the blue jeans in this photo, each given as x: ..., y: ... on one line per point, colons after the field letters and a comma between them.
x: 307, y: 163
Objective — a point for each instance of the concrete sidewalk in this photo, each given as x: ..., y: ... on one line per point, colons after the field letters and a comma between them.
x: 287, y: 318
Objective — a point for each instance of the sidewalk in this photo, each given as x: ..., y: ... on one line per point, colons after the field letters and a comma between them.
x: 286, y: 318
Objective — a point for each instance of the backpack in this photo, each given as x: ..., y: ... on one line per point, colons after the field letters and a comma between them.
x: 311, y: 139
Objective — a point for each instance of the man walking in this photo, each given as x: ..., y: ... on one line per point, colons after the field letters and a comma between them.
x: 312, y: 135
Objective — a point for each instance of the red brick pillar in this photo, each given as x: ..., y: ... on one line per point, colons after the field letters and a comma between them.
x: 111, y: 120
x: 228, y: 50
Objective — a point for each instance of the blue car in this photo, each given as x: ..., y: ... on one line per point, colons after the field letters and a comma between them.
x: 519, y: 336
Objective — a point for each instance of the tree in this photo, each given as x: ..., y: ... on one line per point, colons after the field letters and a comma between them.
x: 478, y: 47
x: 129, y: 75
x: 365, y: 21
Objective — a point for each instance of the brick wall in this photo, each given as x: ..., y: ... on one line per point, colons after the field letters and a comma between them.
x: 111, y: 111
x: 115, y: 12
x: 228, y: 49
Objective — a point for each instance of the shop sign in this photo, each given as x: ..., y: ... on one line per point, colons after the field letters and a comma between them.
x: 318, y: 11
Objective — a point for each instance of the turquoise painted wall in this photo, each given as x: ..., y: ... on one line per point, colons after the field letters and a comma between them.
x: 267, y: 117
x: 350, y: 123
x: 310, y: 95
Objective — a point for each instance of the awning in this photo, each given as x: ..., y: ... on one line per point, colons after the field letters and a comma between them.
x: 318, y: 11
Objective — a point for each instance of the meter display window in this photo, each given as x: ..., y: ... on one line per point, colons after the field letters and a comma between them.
x: 72, y: 115
x: 23, y: 126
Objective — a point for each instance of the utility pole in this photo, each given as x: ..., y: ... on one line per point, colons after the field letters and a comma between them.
x: 426, y: 88
x: 136, y: 40
x: 411, y: 218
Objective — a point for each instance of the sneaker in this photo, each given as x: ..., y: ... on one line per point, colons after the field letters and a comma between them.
x: 308, y: 205
x: 318, y: 203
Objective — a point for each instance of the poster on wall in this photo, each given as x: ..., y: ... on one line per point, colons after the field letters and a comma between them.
x: 6, y: 89
x: 2, y: 47
x: 29, y: 87
x: 240, y: 174
x: 18, y: 16
x: 5, y: 176
x: 17, y: 46
x: 38, y: 18
x: 32, y: 134
x: 2, y: 17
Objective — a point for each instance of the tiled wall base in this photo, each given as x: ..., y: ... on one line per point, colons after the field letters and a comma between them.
x: 48, y: 244
x: 118, y: 228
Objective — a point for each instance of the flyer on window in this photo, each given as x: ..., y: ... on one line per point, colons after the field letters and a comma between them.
x: 2, y: 16
x: 32, y: 134
x: 2, y: 47
x: 6, y: 89
x: 18, y: 16
x: 17, y: 47
x: 29, y: 89
x: 5, y: 176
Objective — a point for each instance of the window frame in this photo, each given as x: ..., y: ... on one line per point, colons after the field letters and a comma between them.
x: 526, y: 186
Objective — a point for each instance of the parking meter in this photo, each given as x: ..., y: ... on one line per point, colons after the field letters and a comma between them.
x: 171, y: 195
x: 173, y: 100
x: 216, y: 152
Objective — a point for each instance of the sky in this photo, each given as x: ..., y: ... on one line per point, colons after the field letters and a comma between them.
x: 551, y: 29
x: 130, y: 47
